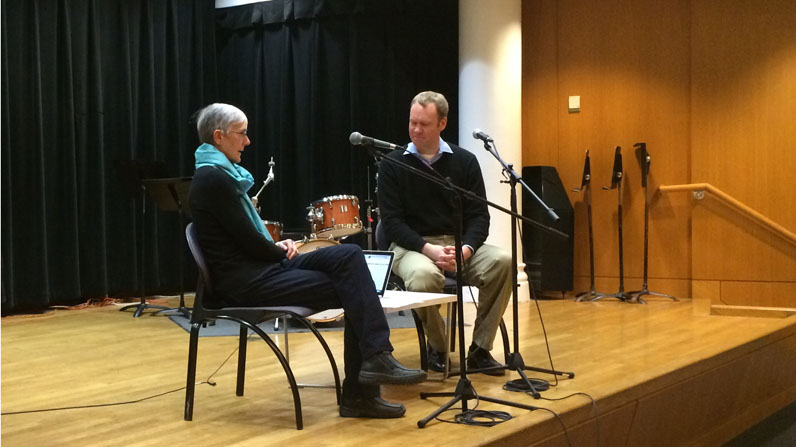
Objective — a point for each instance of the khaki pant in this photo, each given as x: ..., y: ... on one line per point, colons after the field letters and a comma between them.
x: 489, y: 269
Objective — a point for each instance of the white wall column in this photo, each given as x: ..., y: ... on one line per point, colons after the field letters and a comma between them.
x: 490, y: 79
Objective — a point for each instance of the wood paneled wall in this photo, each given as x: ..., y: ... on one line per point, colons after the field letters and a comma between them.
x: 711, y: 89
x: 744, y: 143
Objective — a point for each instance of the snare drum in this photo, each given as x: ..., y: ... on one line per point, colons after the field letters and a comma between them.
x: 307, y: 246
x: 335, y: 217
x: 274, y: 229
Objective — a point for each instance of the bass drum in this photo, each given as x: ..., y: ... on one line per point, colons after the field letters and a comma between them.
x: 307, y: 246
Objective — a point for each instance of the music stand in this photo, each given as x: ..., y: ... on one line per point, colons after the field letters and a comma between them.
x: 616, y: 183
x: 171, y: 194
x: 643, y: 158
x: 131, y: 174
x: 585, y: 186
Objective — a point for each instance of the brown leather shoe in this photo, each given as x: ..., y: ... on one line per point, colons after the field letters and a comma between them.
x: 374, y: 407
x: 383, y: 369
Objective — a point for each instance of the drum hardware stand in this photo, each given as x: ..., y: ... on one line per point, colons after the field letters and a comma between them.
x: 268, y: 179
x: 644, y: 160
x: 585, y: 186
x: 616, y: 183
x: 464, y: 389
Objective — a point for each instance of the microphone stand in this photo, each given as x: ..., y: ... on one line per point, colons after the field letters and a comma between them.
x: 514, y: 359
x: 464, y: 391
x: 616, y: 182
x: 585, y: 186
x: 644, y: 160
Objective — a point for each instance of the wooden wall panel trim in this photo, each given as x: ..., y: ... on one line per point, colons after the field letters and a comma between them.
x: 758, y: 293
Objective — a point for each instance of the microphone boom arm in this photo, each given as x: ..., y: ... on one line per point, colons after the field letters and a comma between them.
x: 509, y: 170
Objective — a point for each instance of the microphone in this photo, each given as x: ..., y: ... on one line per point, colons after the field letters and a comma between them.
x: 357, y: 139
x: 479, y: 134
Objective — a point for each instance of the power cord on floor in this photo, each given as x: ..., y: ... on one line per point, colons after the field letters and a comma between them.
x: 207, y: 381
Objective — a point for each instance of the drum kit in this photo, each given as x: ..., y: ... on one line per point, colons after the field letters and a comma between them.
x: 330, y: 220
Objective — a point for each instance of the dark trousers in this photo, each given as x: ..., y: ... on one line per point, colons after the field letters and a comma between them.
x: 329, y: 278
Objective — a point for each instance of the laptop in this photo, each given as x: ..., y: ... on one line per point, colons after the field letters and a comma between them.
x: 380, y: 265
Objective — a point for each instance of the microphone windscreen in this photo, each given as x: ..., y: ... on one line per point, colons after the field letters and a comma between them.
x: 355, y: 138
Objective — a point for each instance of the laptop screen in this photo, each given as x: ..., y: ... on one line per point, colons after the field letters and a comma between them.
x: 380, y: 266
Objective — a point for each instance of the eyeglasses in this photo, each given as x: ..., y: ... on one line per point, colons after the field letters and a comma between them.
x: 244, y: 132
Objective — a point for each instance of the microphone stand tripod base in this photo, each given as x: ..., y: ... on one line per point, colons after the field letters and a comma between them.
x: 516, y: 363
x: 591, y: 295
x: 464, y: 392
x: 621, y: 296
x: 635, y: 296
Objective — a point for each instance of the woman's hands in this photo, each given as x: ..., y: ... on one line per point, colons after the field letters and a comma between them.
x: 289, y: 245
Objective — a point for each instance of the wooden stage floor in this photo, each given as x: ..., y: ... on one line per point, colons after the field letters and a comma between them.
x: 664, y: 373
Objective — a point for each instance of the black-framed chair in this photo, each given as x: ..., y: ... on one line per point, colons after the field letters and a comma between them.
x: 248, y: 318
x: 383, y: 243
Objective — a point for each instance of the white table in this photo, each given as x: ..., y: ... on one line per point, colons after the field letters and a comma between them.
x: 393, y: 301
x: 398, y: 300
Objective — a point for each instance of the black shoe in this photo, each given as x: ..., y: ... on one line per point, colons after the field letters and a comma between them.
x: 436, y: 359
x: 374, y: 407
x: 383, y: 369
x: 480, y: 358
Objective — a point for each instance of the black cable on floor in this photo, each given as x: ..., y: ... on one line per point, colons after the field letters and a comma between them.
x: 476, y: 417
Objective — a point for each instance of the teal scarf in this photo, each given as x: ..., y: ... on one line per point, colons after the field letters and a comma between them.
x: 208, y: 155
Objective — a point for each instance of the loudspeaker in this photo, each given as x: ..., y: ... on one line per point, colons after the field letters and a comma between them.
x: 548, y: 258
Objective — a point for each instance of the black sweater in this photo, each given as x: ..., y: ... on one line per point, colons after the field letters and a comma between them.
x: 236, y: 252
x: 412, y: 207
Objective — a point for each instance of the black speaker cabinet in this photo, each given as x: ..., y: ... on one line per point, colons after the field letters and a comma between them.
x: 548, y: 258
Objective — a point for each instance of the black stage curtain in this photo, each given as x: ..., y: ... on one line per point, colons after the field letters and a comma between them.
x: 86, y: 83
x: 308, y: 73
